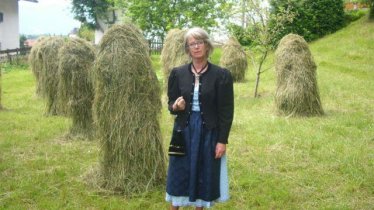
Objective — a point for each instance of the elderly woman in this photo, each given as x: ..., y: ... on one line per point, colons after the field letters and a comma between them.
x: 201, y: 96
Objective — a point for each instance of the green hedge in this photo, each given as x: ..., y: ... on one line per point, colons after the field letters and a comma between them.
x: 314, y: 18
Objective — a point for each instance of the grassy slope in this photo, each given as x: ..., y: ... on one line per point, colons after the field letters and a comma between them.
x: 274, y: 162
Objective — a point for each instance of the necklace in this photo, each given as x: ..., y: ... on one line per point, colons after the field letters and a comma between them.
x: 201, y: 70
x: 197, y: 74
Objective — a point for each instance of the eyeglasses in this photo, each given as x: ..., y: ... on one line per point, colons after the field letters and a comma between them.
x: 196, y: 44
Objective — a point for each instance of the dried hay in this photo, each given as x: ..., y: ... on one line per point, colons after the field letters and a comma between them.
x: 36, y: 63
x: 76, y: 59
x: 234, y: 59
x: 126, y: 112
x: 1, y: 107
x: 48, y: 76
x: 173, y: 52
x: 297, y: 91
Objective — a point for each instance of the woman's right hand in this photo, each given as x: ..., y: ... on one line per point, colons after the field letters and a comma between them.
x: 179, y: 104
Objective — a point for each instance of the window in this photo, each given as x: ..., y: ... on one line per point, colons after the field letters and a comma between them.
x: 1, y: 17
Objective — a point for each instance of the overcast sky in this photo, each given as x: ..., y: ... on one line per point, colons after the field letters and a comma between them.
x: 46, y: 17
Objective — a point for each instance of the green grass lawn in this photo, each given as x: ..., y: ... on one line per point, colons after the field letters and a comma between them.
x: 274, y: 162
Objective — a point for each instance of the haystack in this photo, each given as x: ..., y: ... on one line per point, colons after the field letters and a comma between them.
x: 48, y: 76
x: 297, y: 91
x: 173, y: 52
x: 76, y: 58
x: 234, y: 59
x: 1, y: 107
x: 126, y: 111
x: 36, y: 63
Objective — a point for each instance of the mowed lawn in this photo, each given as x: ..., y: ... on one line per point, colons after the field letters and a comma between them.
x: 274, y: 162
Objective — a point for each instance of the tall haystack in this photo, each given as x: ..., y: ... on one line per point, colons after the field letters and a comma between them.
x: 297, y: 91
x: 48, y: 76
x: 234, y: 59
x: 1, y: 107
x: 76, y: 58
x: 126, y: 110
x: 36, y: 63
x: 173, y: 52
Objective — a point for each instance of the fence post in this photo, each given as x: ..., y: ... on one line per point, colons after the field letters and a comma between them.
x: 9, y: 56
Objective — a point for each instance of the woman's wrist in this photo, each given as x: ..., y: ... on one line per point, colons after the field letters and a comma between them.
x: 175, y: 107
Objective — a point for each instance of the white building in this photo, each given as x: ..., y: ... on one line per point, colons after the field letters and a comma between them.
x: 9, y: 24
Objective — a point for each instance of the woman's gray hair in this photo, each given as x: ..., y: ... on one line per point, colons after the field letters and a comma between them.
x: 198, y: 34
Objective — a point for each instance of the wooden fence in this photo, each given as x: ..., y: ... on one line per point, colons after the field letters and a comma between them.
x: 155, y: 46
x: 13, y: 55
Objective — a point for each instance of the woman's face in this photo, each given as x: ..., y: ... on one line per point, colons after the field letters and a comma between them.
x: 197, y: 48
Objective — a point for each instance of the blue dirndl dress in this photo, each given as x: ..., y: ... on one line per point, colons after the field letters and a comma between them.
x: 197, y: 179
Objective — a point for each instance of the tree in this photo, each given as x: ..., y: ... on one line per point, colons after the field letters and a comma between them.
x: 88, y: 11
x: 22, y: 39
x: 155, y: 18
x: 370, y: 3
x: 257, y: 18
x: 86, y: 32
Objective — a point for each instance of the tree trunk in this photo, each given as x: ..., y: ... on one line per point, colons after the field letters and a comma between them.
x: 259, y: 72
x: 244, y: 21
x: 257, y: 80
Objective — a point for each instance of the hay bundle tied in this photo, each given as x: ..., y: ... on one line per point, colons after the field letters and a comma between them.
x: 297, y: 91
x: 36, y: 63
x: 173, y: 52
x: 126, y: 110
x: 76, y: 58
x: 48, y: 76
x: 234, y: 59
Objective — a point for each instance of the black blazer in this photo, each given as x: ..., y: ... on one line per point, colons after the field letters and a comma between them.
x: 216, y: 97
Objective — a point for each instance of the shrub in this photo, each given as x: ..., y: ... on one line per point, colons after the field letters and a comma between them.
x: 241, y: 34
x: 354, y: 15
x: 314, y: 18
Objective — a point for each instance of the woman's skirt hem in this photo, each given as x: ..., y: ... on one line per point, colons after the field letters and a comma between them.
x: 184, y: 201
